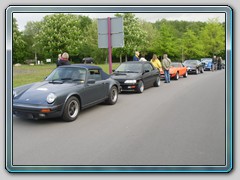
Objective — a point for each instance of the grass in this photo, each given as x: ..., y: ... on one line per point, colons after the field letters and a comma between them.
x: 26, y: 74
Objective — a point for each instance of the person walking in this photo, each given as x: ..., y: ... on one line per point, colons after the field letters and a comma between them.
x: 64, y: 59
x: 166, y: 63
x: 136, y: 56
x: 156, y: 63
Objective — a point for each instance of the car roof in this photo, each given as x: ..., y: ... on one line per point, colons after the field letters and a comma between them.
x: 86, y: 66
x: 136, y: 62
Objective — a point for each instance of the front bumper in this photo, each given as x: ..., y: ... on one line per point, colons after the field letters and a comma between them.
x: 128, y: 87
x: 191, y: 71
x: 36, y: 112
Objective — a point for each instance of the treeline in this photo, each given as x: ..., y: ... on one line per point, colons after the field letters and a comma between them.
x: 78, y: 35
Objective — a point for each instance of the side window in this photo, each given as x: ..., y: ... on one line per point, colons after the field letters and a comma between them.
x: 94, y: 74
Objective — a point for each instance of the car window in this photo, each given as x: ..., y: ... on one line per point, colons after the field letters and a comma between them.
x: 147, y: 67
x: 129, y: 67
x: 94, y: 74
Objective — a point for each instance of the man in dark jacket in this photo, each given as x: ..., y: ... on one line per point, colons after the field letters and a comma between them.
x: 64, y: 60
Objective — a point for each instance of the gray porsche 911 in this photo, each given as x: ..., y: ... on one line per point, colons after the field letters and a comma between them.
x: 66, y: 91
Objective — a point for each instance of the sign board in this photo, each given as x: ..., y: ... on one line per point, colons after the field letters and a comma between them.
x: 48, y: 60
x: 117, y: 34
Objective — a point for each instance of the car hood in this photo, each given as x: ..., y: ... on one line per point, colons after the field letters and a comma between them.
x: 125, y: 76
x: 38, y: 92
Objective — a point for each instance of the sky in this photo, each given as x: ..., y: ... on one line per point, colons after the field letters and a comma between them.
x: 23, y: 18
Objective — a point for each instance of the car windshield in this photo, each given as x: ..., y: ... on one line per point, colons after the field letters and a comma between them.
x: 206, y: 60
x: 174, y: 64
x: 67, y: 74
x: 129, y: 68
x: 190, y: 62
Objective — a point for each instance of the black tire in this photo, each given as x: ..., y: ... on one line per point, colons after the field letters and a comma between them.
x: 112, y: 96
x: 185, y: 75
x: 157, y: 82
x: 177, y: 76
x: 140, y: 87
x: 71, y: 109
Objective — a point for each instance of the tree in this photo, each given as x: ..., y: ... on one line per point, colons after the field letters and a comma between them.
x: 213, y: 38
x: 62, y: 32
x: 134, y: 36
x: 192, y: 47
x: 19, y: 45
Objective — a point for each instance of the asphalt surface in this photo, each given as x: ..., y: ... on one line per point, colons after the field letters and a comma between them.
x: 181, y: 123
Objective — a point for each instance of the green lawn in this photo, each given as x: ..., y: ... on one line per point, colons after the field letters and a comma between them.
x: 26, y: 74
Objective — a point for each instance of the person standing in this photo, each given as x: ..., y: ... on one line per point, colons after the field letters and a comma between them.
x: 214, y: 63
x: 136, y: 56
x: 219, y: 63
x: 166, y: 63
x: 59, y: 58
x: 155, y: 62
x: 64, y: 60
x: 142, y: 58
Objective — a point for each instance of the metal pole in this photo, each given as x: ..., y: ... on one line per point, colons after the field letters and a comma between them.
x: 109, y: 46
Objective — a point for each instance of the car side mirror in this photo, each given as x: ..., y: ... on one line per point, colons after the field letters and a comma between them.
x: 91, y: 81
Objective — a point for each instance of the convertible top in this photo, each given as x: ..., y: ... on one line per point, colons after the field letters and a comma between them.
x: 89, y: 67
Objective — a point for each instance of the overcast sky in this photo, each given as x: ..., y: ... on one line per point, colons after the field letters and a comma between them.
x: 23, y: 18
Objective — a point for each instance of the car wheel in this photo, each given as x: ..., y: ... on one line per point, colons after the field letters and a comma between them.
x: 177, y: 76
x: 185, y: 75
x: 157, y: 82
x: 197, y: 71
x: 71, y: 109
x: 140, y: 87
x: 112, y: 96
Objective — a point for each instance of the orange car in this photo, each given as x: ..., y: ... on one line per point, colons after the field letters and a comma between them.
x: 177, y: 69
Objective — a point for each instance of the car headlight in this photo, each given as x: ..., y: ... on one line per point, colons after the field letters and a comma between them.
x: 51, y: 98
x: 130, y: 81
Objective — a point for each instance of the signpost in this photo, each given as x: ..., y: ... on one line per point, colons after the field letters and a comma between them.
x: 110, y: 34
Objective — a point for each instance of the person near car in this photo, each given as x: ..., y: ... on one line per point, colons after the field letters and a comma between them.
x: 142, y: 58
x: 219, y: 63
x: 156, y: 63
x: 59, y: 58
x: 214, y: 63
x: 136, y: 56
x: 166, y: 63
x: 64, y: 59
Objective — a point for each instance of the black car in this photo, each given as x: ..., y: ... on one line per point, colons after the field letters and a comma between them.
x: 136, y: 76
x: 66, y: 91
x: 194, y: 66
x: 88, y: 60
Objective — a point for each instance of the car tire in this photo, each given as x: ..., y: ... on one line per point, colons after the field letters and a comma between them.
x: 140, y: 86
x: 177, y: 76
x: 71, y: 109
x: 112, y: 96
x: 157, y: 82
x: 185, y: 75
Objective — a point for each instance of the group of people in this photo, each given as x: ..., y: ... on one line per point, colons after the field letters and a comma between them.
x: 216, y: 63
x: 63, y: 59
x: 165, y: 65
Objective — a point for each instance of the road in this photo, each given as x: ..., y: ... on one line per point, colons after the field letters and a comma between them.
x: 181, y: 123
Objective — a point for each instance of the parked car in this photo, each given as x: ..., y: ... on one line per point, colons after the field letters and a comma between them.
x: 136, y: 76
x: 194, y: 66
x: 176, y: 70
x: 66, y: 91
x: 88, y: 60
x: 207, y: 62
